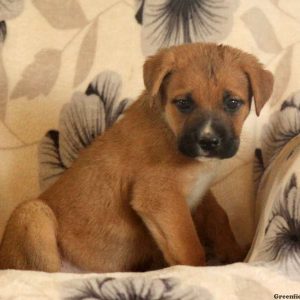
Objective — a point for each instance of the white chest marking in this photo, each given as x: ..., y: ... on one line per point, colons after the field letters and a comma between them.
x: 200, y: 186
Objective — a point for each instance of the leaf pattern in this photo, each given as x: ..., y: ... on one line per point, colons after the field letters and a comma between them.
x: 89, y: 113
x: 261, y: 29
x: 10, y: 9
x: 3, y: 87
x: 40, y: 76
x: 66, y: 14
x: 282, y: 75
x: 86, y: 54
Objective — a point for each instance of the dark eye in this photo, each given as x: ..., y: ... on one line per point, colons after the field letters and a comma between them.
x: 185, y: 105
x: 232, y: 104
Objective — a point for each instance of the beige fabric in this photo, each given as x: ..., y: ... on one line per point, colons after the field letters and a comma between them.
x: 236, y: 282
x: 278, y: 193
x: 54, y: 48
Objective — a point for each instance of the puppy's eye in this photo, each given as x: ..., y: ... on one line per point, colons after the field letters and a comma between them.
x: 232, y: 104
x: 185, y: 105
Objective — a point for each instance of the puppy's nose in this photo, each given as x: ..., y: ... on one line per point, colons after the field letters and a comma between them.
x: 209, y: 142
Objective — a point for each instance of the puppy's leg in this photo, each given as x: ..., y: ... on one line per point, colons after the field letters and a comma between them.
x: 29, y: 241
x: 214, y: 230
x: 168, y: 218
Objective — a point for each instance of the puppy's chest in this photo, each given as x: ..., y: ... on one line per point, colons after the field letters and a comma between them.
x: 199, y: 184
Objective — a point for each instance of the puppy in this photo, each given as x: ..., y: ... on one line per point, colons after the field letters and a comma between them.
x: 126, y: 203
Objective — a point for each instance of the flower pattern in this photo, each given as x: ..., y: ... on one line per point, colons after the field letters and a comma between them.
x: 279, y: 230
x: 88, y: 115
x: 132, y: 288
x: 284, y: 124
x: 82, y: 37
x: 172, y: 22
x: 283, y: 228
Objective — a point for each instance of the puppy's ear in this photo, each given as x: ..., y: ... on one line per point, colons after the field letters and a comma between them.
x: 156, y: 68
x: 261, y: 81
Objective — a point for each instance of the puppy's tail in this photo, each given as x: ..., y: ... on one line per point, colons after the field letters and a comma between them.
x: 81, y: 120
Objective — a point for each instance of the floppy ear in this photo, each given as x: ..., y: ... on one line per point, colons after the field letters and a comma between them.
x: 261, y: 82
x: 156, y: 68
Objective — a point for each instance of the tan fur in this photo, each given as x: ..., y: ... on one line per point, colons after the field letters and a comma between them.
x: 218, y: 235
x: 123, y: 203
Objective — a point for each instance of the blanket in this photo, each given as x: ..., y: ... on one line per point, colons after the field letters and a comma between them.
x: 237, y: 281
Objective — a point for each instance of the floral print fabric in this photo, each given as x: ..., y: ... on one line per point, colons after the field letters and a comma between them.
x: 237, y: 281
x: 277, y: 238
x: 68, y: 70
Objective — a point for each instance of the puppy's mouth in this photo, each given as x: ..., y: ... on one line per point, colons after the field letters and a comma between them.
x: 209, y: 147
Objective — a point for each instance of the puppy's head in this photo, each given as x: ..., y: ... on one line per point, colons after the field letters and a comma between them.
x: 205, y: 93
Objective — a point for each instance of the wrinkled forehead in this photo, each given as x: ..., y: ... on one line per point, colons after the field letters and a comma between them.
x: 206, y: 78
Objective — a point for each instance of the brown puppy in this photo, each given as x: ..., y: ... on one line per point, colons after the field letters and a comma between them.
x: 126, y: 201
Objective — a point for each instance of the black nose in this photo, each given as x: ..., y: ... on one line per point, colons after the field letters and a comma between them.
x: 209, y: 142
